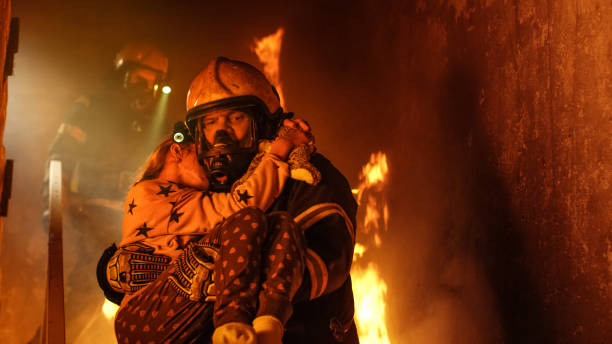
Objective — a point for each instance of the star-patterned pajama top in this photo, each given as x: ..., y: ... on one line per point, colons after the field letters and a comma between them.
x: 166, y: 215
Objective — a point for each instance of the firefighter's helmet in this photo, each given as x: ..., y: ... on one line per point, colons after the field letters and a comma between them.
x: 237, y: 86
x: 143, y: 59
x: 225, y: 79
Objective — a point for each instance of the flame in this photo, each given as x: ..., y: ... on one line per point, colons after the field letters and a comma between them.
x: 369, y: 288
x: 373, y: 179
x: 370, y: 291
x: 373, y: 174
x: 376, y: 170
x: 359, y: 251
x: 268, y: 50
x: 109, y: 309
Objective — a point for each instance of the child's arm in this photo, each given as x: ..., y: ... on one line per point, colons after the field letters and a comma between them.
x: 157, y: 208
x: 260, y: 189
x: 165, y: 208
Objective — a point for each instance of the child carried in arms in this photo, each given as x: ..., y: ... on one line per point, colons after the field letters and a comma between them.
x: 193, y: 263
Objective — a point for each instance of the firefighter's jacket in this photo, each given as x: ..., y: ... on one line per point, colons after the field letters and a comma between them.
x: 101, y: 144
x: 324, y: 306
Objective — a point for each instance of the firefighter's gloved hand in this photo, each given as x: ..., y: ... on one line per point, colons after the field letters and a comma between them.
x: 234, y: 333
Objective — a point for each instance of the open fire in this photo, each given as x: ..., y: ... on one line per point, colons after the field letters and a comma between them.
x: 268, y: 50
x: 368, y: 286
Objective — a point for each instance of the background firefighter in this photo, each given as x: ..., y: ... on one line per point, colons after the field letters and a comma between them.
x: 103, y: 140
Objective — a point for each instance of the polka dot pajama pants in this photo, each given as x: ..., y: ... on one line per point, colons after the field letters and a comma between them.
x: 257, y: 271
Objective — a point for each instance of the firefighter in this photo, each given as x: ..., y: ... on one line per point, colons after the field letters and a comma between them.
x: 102, y: 141
x: 325, y: 211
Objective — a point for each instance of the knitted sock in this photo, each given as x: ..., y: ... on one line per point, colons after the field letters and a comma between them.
x: 269, y: 329
x: 234, y: 333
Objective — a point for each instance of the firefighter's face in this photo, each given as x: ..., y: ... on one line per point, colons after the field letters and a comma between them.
x: 235, y: 122
x: 141, y: 76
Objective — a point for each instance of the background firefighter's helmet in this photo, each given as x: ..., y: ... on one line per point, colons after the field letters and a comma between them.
x: 231, y: 85
x: 142, y: 62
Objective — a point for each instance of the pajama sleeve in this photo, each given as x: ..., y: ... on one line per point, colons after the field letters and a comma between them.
x: 159, y: 209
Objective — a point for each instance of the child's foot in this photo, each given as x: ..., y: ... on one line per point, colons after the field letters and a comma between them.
x: 269, y: 330
x: 234, y: 333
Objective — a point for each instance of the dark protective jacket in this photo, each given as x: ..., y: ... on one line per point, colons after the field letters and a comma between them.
x: 101, y: 144
x: 324, y: 307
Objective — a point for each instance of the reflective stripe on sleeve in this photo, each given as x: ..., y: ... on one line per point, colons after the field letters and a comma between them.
x: 318, y: 273
x: 317, y: 212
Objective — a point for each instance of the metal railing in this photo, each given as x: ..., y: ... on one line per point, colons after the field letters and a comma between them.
x: 53, y: 329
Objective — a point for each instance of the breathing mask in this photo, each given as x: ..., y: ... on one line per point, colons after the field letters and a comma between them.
x: 226, y: 134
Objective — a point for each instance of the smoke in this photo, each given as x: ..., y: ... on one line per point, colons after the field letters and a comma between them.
x: 378, y: 99
x: 451, y: 91
x: 459, y: 309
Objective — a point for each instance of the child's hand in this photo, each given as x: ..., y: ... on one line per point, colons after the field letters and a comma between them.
x: 302, y: 127
x: 292, y: 134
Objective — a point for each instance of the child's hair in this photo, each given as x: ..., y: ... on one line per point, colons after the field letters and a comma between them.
x: 156, y: 160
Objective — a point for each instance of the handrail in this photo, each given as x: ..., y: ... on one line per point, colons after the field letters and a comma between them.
x: 54, y: 330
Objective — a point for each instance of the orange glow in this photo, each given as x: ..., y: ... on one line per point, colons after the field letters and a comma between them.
x: 268, y: 50
x: 369, y: 288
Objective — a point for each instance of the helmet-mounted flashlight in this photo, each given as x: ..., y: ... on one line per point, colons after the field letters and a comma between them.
x: 181, y: 133
x: 166, y: 89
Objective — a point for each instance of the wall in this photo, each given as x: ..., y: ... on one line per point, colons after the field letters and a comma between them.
x: 503, y: 153
x: 5, y: 20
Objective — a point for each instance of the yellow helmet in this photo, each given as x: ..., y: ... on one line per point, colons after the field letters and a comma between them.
x: 144, y: 54
x: 225, y: 79
x: 143, y: 60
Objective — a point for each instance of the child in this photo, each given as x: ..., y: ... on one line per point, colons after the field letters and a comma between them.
x: 221, y: 246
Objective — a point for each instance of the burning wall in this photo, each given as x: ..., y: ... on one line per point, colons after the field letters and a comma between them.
x: 504, y: 130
